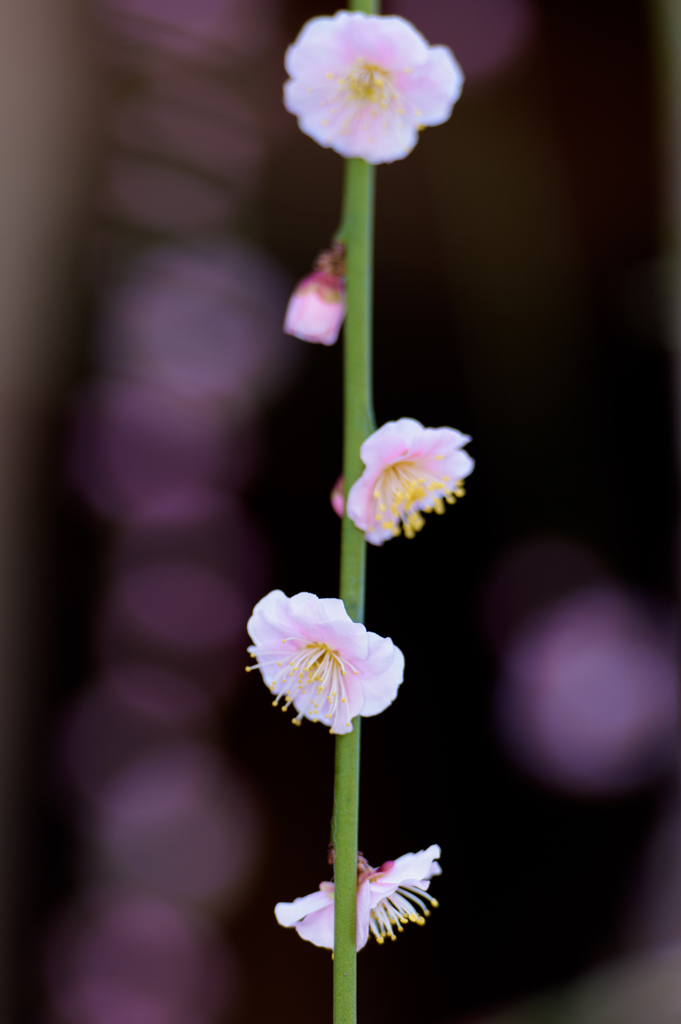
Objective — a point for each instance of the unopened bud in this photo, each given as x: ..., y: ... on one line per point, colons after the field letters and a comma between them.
x: 338, y: 496
x: 316, y: 309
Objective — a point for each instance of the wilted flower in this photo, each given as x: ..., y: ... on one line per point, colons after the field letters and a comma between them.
x: 410, y: 469
x: 330, y: 668
x: 387, y: 898
x: 316, y: 309
x: 364, y: 84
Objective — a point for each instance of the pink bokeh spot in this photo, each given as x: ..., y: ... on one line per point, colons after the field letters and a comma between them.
x: 165, y: 198
x: 200, y: 28
x: 197, y: 119
x: 202, y: 323
x: 158, y: 693
x: 166, y: 822
x: 139, y: 961
x: 488, y: 36
x: 182, y: 603
x: 588, y: 698
x: 145, y: 456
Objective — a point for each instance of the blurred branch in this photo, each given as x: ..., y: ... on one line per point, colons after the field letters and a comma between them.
x: 45, y: 95
x: 666, y: 21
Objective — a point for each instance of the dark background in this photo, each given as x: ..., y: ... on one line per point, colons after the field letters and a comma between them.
x: 517, y: 299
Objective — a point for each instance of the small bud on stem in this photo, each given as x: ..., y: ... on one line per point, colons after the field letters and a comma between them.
x: 316, y: 309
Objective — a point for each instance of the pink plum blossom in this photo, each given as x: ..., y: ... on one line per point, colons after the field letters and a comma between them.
x: 410, y: 469
x: 316, y: 309
x: 364, y: 85
x: 387, y: 898
x: 330, y: 668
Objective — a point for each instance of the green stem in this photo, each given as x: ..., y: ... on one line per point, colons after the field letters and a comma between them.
x: 358, y: 223
x: 358, y: 422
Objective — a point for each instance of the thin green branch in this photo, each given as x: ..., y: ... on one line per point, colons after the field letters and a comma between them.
x: 358, y: 223
x: 358, y: 422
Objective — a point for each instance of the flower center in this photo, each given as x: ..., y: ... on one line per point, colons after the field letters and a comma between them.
x: 405, y: 485
x: 370, y: 84
x: 404, y: 905
x: 319, y: 689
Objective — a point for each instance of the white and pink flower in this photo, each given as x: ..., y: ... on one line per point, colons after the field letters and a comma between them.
x: 315, y: 657
x: 410, y: 469
x: 364, y: 85
x: 387, y: 898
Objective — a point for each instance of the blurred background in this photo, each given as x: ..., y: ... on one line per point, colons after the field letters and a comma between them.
x: 166, y: 458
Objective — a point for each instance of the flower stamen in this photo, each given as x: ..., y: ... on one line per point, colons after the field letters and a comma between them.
x: 368, y: 83
x: 319, y: 671
x: 404, y: 485
x: 397, y: 910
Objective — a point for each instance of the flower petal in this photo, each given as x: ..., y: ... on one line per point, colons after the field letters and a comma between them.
x: 412, y: 868
x: 363, y: 913
x: 271, y: 620
x: 393, y: 441
x: 318, y: 927
x: 325, y: 620
x: 433, y: 88
x: 289, y: 914
x: 380, y: 690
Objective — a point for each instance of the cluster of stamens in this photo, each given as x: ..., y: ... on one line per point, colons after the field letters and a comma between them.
x: 368, y: 85
x: 403, y: 485
x: 314, y: 678
x: 405, y: 904
x: 397, y: 910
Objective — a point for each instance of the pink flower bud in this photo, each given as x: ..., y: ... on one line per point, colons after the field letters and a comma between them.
x: 338, y: 496
x: 317, y: 308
